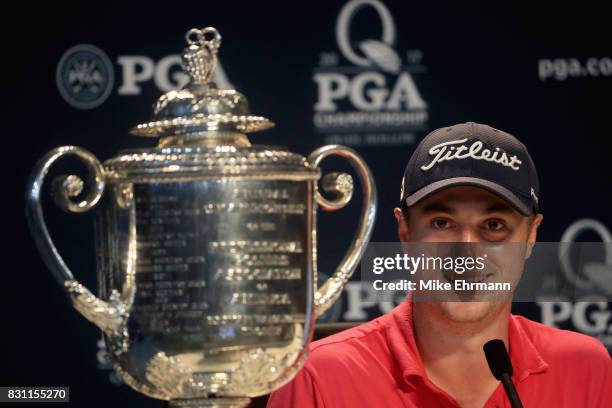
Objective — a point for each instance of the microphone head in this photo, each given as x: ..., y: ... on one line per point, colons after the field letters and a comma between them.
x: 498, y: 358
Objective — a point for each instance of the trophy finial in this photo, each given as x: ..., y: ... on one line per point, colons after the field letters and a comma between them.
x: 200, y: 112
x: 200, y: 56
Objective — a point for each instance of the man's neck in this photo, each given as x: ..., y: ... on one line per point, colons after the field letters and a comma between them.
x: 452, y: 351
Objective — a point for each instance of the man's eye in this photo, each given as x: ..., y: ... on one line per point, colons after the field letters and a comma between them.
x: 494, y: 225
x: 440, y: 224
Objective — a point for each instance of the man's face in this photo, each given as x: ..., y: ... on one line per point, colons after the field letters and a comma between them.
x: 470, y: 215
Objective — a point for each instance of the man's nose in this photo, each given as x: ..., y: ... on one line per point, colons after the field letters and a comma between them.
x: 468, y: 234
x: 464, y: 247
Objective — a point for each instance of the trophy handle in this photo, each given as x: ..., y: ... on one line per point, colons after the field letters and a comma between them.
x: 341, y: 184
x: 106, y: 315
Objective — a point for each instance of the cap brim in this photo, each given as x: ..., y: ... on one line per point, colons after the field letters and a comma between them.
x: 524, y: 206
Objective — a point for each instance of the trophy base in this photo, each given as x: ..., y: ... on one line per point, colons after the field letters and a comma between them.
x: 210, y: 403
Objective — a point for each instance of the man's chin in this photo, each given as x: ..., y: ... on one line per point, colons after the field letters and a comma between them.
x: 468, y: 312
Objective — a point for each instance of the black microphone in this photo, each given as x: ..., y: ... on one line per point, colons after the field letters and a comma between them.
x: 501, y: 367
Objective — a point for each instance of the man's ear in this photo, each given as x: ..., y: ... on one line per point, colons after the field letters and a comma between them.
x: 533, y: 233
x: 402, y: 225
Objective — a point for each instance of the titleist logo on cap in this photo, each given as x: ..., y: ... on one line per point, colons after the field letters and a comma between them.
x: 456, y: 149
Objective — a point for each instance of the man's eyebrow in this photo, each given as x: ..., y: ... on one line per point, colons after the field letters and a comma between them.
x: 499, y: 207
x: 438, y: 207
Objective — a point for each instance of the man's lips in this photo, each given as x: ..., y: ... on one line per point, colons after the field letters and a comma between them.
x: 467, y: 276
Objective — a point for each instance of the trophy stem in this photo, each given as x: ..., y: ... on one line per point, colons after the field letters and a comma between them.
x: 210, y: 403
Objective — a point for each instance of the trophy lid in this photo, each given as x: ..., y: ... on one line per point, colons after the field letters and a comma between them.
x: 200, y: 113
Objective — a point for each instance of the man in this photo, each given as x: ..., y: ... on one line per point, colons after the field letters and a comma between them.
x: 465, y: 183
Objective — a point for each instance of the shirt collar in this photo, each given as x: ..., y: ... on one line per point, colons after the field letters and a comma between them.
x: 402, y: 342
x: 525, y: 358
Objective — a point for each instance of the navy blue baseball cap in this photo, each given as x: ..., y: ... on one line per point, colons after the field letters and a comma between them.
x: 472, y: 154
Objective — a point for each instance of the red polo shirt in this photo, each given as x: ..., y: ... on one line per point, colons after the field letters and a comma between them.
x: 377, y: 364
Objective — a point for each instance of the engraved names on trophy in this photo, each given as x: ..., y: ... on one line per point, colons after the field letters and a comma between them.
x: 224, y: 266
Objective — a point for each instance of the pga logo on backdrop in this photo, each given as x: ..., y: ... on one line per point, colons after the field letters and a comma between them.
x: 85, y: 75
x: 593, y: 313
x: 375, y: 100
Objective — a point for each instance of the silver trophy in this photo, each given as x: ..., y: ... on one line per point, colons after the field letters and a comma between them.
x: 206, y: 245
